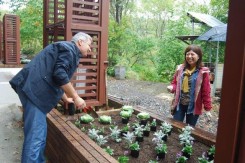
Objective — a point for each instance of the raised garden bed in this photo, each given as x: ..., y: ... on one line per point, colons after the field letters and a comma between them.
x: 68, y: 143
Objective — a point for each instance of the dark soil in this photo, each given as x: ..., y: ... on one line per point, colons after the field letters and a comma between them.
x: 147, y: 151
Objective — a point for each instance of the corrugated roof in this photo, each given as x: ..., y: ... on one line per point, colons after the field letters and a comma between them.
x: 204, y: 18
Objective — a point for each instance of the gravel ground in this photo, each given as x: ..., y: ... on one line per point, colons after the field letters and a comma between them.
x: 154, y: 96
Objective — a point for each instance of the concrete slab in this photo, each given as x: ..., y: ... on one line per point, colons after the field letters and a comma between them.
x: 11, y: 131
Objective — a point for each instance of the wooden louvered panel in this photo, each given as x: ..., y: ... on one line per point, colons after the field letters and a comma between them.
x: 84, y: 81
x: 87, y: 12
x: 11, y: 39
x: 1, y: 42
x: 88, y: 73
x: 56, y: 11
x: 87, y: 88
x: 70, y: 17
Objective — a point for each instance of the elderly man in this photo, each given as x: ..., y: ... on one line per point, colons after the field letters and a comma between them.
x: 41, y: 84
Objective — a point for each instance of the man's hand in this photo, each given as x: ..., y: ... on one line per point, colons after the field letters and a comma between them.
x: 69, y: 100
x: 80, y: 103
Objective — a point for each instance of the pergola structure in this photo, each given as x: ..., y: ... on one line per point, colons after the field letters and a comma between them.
x: 63, y: 19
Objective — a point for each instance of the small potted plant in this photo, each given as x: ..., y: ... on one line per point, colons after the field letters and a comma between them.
x: 77, y: 123
x: 181, y: 159
x: 135, y: 125
x: 128, y: 108
x: 139, y: 133
x: 185, y: 137
x: 71, y: 108
x: 161, y: 150
x: 129, y: 137
x: 125, y: 116
x: 146, y: 131
x: 115, y: 134
x: 153, y: 125
x: 123, y: 159
x: 166, y: 128
x: 86, y: 118
x: 204, y: 158
x: 105, y: 119
x: 160, y: 136
x: 134, y: 147
x: 187, y: 151
x: 143, y: 117
x: 210, y: 153
x: 125, y: 129
x: 109, y: 150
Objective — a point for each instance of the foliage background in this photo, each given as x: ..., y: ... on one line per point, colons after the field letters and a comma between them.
x: 142, y: 33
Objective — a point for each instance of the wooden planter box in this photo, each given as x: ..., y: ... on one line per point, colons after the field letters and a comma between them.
x: 66, y: 143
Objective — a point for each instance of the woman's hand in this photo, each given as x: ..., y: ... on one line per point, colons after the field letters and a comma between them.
x: 170, y: 88
x: 209, y: 115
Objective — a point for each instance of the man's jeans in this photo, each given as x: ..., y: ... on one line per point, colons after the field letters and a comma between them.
x: 181, y: 113
x: 35, y: 131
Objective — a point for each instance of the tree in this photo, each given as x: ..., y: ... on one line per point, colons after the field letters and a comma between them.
x: 219, y: 9
x: 119, y: 8
x: 31, y: 24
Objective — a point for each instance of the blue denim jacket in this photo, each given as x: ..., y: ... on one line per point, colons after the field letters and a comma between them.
x: 192, y: 91
x: 53, y: 67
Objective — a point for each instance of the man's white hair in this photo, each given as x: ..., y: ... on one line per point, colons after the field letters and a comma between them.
x: 81, y: 36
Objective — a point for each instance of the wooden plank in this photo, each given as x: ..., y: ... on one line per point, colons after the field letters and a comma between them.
x: 77, y: 140
x: 71, y: 143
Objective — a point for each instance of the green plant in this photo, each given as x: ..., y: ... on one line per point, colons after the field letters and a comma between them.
x: 166, y: 127
x: 128, y: 108
x: 109, y: 150
x: 211, y: 150
x: 125, y: 114
x: 83, y: 129
x: 154, y: 122
x: 185, y: 137
x: 161, y: 148
x: 101, y: 140
x: 203, y: 160
x: 123, y: 159
x: 187, y: 149
x: 181, y: 159
x: 93, y: 133
x: 139, y: 131
x: 115, y: 134
x: 86, y: 118
x: 143, y: 116
x: 158, y: 136
x: 135, y: 125
x: 147, y: 127
x: 134, y: 146
x: 125, y: 128
x: 101, y: 130
x: 105, y: 119
x: 77, y: 123
x: 129, y: 137
x: 92, y: 125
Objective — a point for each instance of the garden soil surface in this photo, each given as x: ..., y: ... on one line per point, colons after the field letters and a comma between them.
x: 147, y: 151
